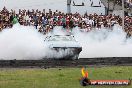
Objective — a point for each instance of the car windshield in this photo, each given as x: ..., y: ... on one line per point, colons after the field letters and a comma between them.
x: 62, y: 38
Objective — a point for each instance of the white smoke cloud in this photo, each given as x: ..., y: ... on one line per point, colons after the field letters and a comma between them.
x: 26, y: 43
x: 59, y: 54
x: 22, y: 42
x: 104, y: 43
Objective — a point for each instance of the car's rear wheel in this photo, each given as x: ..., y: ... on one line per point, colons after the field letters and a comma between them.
x: 75, y: 57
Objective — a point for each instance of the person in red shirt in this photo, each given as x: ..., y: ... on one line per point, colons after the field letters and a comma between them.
x: 59, y: 22
x: 67, y: 22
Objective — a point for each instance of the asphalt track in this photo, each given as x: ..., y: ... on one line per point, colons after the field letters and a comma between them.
x: 110, y: 61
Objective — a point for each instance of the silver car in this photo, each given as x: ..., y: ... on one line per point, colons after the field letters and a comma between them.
x: 66, y: 44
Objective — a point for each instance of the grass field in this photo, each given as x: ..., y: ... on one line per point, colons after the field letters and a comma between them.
x: 60, y: 77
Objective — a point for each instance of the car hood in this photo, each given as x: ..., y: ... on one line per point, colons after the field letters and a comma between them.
x: 63, y: 44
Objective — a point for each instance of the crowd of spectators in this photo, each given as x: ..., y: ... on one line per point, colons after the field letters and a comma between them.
x: 45, y: 21
x: 127, y: 3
